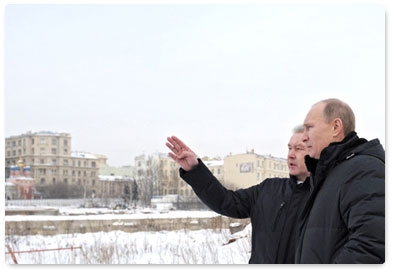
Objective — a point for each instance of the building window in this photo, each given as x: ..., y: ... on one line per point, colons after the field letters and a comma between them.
x: 54, y: 141
x: 53, y: 151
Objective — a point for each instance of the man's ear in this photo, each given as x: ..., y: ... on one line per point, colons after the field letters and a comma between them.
x: 338, y: 131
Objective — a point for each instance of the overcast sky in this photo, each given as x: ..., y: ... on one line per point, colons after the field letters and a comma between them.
x: 223, y: 78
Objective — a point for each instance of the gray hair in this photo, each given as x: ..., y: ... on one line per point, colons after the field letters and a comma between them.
x: 299, y: 129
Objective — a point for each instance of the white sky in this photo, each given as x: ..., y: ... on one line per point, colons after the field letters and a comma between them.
x: 224, y: 78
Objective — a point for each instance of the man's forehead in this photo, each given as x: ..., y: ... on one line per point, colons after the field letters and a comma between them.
x: 296, y: 139
x: 314, y: 113
x: 317, y: 108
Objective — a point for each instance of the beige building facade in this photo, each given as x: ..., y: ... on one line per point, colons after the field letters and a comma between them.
x: 51, y: 160
x: 234, y: 171
x: 246, y: 170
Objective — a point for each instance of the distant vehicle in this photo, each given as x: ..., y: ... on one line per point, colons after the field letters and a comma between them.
x: 120, y: 205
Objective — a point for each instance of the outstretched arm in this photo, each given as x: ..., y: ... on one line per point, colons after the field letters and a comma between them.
x: 206, y: 185
x: 181, y: 153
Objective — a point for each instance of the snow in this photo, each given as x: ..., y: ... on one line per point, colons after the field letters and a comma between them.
x: 170, y: 248
x: 106, y: 214
x: 210, y: 246
x: 118, y: 247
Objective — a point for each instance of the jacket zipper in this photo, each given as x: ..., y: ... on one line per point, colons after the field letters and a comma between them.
x: 279, y: 212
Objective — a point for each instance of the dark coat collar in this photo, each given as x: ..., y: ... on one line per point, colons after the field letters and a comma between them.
x: 335, y: 152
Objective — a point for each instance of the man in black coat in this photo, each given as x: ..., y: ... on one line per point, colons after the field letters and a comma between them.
x: 273, y: 205
x: 344, y: 219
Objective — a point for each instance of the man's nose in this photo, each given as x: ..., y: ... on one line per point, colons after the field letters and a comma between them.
x: 305, y: 137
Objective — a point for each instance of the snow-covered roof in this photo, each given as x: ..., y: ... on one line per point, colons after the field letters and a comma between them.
x: 213, y: 163
x: 83, y: 155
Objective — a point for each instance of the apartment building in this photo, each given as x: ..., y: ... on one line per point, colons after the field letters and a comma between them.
x: 117, y: 186
x: 51, y: 160
x: 234, y: 171
x: 248, y: 169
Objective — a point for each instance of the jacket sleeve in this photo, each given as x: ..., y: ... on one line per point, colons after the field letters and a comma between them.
x: 362, y: 207
x: 235, y: 204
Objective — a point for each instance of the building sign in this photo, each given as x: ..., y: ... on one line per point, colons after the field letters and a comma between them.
x: 246, y: 167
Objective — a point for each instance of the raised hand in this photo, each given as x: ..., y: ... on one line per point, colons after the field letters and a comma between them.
x: 181, y: 153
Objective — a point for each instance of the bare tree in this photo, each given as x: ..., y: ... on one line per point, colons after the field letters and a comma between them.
x: 147, y: 179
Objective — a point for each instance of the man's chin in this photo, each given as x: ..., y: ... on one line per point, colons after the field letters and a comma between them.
x: 311, y: 154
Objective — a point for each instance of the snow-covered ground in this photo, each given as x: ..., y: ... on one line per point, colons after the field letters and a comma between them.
x: 118, y: 247
x: 171, y: 248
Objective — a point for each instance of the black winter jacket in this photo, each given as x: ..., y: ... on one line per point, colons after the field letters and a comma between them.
x: 272, y: 206
x: 344, y: 220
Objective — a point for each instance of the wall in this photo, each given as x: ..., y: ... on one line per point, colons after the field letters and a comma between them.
x: 62, y: 226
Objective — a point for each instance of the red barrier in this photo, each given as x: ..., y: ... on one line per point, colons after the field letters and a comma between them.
x: 12, y: 253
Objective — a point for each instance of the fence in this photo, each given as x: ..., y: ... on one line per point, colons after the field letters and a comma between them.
x: 15, y: 260
x: 83, y: 203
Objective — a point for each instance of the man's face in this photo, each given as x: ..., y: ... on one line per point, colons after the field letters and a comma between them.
x: 296, y: 152
x: 318, y: 134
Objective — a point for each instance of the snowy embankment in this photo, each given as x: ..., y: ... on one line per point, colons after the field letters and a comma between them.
x: 213, y: 246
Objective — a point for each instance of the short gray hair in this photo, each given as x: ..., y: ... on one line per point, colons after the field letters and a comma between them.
x: 299, y: 129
